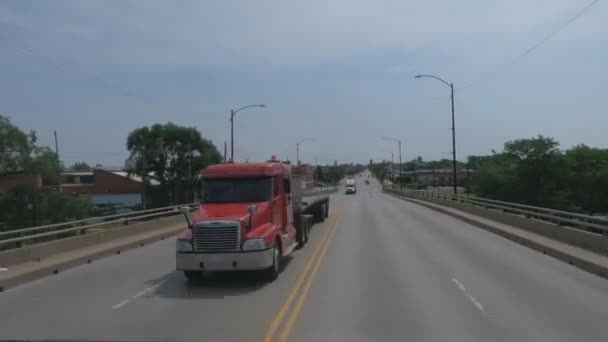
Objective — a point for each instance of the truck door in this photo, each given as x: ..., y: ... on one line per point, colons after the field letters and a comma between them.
x: 277, y: 206
x: 288, y: 203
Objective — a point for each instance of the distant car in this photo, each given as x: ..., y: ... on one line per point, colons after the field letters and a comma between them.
x: 351, y: 186
x: 366, y: 181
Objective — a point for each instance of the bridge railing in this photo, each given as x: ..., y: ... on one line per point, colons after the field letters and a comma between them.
x: 575, y: 220
x: 59, y: 230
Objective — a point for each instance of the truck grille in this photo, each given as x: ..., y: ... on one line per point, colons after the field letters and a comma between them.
x: 216, y: 236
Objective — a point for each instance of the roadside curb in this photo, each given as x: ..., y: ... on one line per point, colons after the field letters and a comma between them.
x: 8, y: 280
x: 581, y: 263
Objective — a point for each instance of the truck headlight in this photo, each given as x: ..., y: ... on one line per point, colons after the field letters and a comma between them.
x: 254, y: 244
x: 184, y: 246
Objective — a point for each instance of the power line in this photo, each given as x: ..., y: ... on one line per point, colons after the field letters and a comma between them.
x: 535, y: 46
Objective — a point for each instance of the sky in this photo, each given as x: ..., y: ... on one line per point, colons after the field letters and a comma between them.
x: 338, y: 72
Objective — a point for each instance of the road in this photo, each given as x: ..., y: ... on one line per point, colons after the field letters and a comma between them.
x: 379, y: 269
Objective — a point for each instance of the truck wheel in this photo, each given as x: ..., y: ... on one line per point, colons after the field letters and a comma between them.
x: 273, y: 271
x: 193, y: 276
x: 305, y: 233
x: 327, y: 210
x: 307, y: 230
x: 320, y: 214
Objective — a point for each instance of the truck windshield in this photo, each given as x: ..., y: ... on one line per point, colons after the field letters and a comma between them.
x: 237, y: 190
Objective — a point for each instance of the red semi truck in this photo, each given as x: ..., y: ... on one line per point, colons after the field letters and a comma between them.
x: 250, y: 217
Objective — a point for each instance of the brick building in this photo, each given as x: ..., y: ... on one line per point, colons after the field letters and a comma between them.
x: 12, y: 180
x: 105, y: 186
x: 100, y: 181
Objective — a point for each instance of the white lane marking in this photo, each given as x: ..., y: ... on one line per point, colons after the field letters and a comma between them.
x: 466, y: 293
x: 139, y: 294
x: 2, y: 269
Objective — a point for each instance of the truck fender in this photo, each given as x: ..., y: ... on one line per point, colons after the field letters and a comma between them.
x: 268, y: 231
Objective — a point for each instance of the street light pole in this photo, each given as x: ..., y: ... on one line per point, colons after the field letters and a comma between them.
x: 298, y: 150
x: 232, y: 114
x: 392, y: 161
x: 454, y: 174
x: 232, y: 135
x: 400, y: 163
x: 451, y: 85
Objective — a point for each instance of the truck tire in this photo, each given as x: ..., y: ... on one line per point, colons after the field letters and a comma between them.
x: 320, y: 214
x: 326, y: 210
x: 305, y: 232
x: 193, y: 276
x: 272, y: 272
x: 305, y: 225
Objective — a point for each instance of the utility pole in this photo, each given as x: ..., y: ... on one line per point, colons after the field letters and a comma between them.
x: 225, y: 149
x: 453, y: 141
x: 56, y: 144
x: 400, y: 167
x: 58, y: 162
x: 144, y: 198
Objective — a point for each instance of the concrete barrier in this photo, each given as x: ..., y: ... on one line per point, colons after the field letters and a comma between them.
x: 25, y: 272
x: 41, y: 251
x: 587, y: 240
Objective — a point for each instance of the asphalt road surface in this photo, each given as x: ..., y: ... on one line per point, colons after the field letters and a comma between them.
x: 379, y: 269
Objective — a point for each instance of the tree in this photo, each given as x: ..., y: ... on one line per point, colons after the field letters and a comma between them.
x: 25, y: 206
x: 19, y: 153
x: 174, y: 155
x: 539, y: 169
x: 15, y: 146
x: 80, y: 166
x: 588, y: 172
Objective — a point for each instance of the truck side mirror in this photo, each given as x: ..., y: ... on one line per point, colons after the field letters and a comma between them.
x: 185, y: 211
x: 251, y: 209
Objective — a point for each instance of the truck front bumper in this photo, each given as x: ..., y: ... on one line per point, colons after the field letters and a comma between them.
x: 238, y: 261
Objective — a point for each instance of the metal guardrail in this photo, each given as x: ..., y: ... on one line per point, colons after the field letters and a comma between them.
x: 31, y: 233
x: 559, y: 217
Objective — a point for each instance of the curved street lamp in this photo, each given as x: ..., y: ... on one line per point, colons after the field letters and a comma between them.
x: 451, y: 85
x: 232, y: 113
x: 298, y: 150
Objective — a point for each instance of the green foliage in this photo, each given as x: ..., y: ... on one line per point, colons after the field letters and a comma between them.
x: 535, y: 171
x: 174, y: 155
x: 420, y: 164
x: 335, y: 173
x: 81, y: 166
x: 19, y: 153
x: 378, y: 170
x: 15, y: 146
x: 25, y: 207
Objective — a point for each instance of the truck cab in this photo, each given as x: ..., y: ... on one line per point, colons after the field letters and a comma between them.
x: 245, y: 220
x: 351, y: 186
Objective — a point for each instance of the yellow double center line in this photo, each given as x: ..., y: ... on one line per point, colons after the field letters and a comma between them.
x: 305, y: 280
